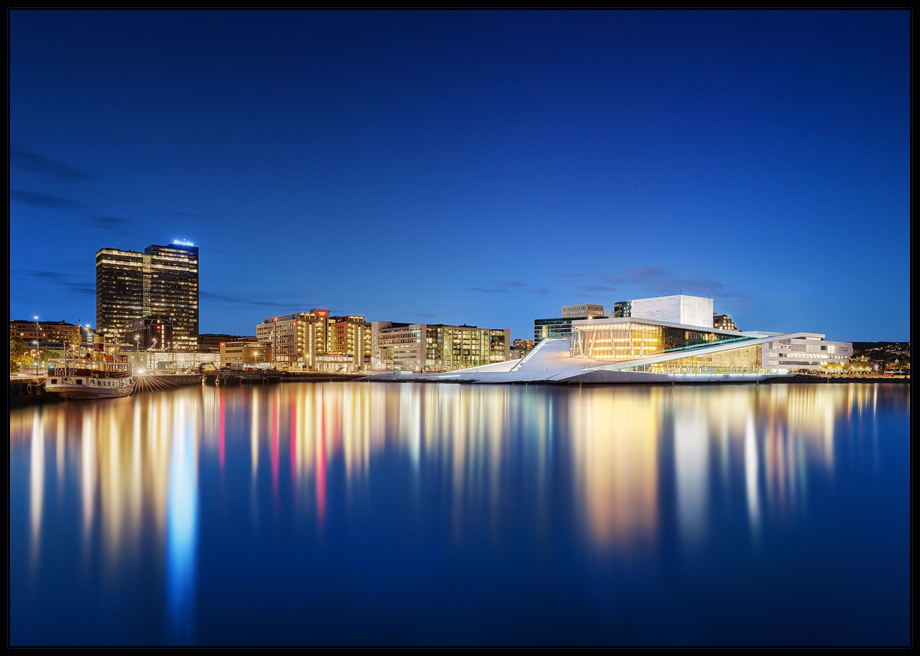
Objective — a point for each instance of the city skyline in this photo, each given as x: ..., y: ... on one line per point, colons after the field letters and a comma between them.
x: 469, y: 167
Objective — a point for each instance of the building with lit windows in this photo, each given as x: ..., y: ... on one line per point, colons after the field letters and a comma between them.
x: 151, y: 333
x: 349, y: 339
x: 211, y: 342
x: 587, y: 311
x: 659, y: 347
x: 423, y: 347
x: 556, y: 328
x: 315, y: 341
x: 561, y: 327
x: 245, y: 354
x: 162, y: 281
x: 48, y: 334
x: 723, y: 322
x: 641, y: 349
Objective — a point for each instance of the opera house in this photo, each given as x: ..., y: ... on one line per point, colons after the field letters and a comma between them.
x: 669, y: 338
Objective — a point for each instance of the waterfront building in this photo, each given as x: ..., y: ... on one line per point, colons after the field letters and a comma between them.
x: 642, y: 349
x: 586, y: 311
x: 723, y: 322
x: 151, y: 333
x: 211, y: 342
x: 349, y: 343
x: 244, y: 354
x: 561, y: 327
x: 556, y: 328
x: 162, y: 362
x: 520, y: 348
x: 48, y: 334
x: 804, y: 352
x: 650, y: 346
x: 315, y: 341
x: 281, y: 334
x: 622, y: 309
x: 436, y: 347
x: 525, y: 345
x: 162, y: 281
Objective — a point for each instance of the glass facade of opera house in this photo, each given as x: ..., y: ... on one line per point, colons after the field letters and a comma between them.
x: 629, y: 340
x: 660, y: 347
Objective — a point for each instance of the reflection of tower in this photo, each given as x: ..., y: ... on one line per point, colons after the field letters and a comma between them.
x: 182, y: 530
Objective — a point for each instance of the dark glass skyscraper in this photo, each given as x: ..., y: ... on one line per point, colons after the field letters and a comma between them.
x: 162, y: 281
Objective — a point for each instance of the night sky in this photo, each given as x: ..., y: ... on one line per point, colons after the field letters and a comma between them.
x: 469, y: 167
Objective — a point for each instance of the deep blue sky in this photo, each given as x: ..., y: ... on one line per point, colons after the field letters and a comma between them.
x: 470, y: 167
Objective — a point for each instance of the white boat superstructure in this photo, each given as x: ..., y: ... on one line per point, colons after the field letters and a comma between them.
x: 76, y: 378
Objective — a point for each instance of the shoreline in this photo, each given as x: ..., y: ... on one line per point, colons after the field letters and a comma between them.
x: 30, y: 391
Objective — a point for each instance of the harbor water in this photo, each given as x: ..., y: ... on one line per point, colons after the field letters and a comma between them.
x: 425, y: 514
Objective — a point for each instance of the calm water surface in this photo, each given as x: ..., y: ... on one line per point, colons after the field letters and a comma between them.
x: 437, y: 514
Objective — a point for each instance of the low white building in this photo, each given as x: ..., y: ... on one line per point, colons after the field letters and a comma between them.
x: 158, y: 362
x: 807, y: 352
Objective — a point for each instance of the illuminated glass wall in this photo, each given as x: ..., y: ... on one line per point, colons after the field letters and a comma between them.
x: 630, y: 340
x: 737, y: 360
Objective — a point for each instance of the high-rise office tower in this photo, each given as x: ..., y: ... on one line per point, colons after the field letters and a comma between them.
x: 161, y: 281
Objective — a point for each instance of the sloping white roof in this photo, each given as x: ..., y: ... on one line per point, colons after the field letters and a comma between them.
x: 551, y: 361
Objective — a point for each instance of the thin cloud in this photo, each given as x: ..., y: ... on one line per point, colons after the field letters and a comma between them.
x: 505, y: 286
x: 246, y: 303
x: 44, y: 275
x: 35, y: 163
x: 178, y: 213
x: 643, y: 281
x: 82, y: 288
x: 666, y: 283
x: 57, y: 279
x: 44, y: 200
x: 598, y: 289
x: 111, y: 223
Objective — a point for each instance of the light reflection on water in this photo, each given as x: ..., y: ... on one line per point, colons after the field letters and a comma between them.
x: 521, y: 501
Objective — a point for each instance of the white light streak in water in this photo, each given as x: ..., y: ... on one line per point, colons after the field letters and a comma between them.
x: 37, y: 484
x: 60, y: 441
x: 254, y: 436
x: 691, y: 461
x: 182, y: 526
x: 88, y: 455
x: 750, y: 474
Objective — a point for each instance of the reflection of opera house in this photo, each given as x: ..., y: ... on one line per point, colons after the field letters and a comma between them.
x: 666, y: 338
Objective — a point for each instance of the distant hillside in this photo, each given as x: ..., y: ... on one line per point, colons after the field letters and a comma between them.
x: 882, y: 350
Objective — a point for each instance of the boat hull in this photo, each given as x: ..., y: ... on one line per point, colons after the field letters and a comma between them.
x: 72, y: 387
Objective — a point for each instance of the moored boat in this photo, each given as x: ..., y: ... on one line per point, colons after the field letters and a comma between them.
x: 76, y: 378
